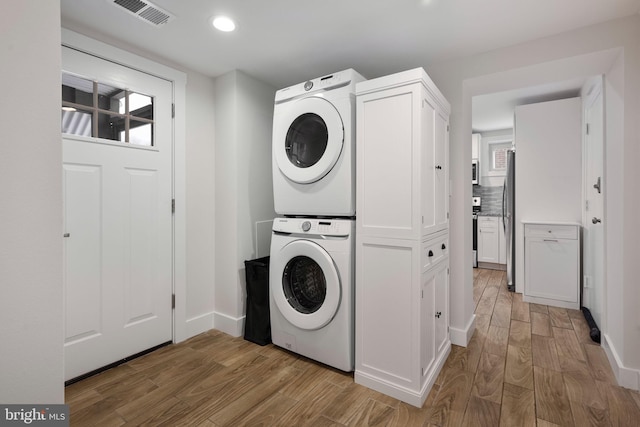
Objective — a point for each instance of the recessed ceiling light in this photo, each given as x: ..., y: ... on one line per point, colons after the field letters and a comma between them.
x: 223, y: 23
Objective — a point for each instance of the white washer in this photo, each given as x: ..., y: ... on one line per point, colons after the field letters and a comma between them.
x: 314, y: 146
x: 311, y: 288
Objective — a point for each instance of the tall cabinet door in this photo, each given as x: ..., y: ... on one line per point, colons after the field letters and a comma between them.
x: 435, y: 168
x: 388, y: 163
x: 441, y: 142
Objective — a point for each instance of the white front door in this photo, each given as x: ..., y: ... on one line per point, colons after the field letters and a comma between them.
x: 117, y: 212
x: 593, y: 262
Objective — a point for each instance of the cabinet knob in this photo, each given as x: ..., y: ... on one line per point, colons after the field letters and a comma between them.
x: 438, y: 314
x: 444, y: 246
x: 430, y: 253
x: 438, y: 167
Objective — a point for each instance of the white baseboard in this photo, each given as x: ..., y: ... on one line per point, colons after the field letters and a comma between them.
x: 199, y: 324
x: 627, y: 377
x: 462, y: 337
x: 229, y: 325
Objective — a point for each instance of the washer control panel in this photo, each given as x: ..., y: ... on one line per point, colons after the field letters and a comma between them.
x: 314, y: 226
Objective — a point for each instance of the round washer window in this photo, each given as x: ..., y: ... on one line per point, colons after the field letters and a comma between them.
x: 306, y: 140
x: 304, y: 284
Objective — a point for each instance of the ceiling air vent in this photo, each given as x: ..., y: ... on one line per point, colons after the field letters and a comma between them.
x: 148, y: 12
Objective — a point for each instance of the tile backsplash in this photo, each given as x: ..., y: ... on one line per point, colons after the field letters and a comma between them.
x: 491, y: 198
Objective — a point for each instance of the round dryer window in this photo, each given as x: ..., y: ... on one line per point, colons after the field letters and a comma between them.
x: 308, y: 295
x: 306, y: 140
x: 308, y: 137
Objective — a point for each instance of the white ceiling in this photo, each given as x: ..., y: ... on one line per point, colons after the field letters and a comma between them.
x: 284, y: 42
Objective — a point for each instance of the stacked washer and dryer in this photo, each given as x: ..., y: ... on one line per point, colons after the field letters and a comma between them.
x: 311, y: 278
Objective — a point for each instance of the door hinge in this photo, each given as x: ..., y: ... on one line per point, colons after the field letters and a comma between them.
x: 587, y: 130
x: 447, y: 128
x: 447, y: 271
x: 447, y: 215
x: 173, y: 206
x: 173, y: 111
x: 173, y: 301
x: 422, y: 293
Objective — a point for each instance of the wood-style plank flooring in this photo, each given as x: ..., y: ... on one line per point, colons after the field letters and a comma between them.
x: 526, y: 365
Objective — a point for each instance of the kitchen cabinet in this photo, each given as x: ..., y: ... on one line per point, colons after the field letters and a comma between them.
x: 492, y: 247
x: 488, y: 239
x: 475, y: 146
x: 552, y: 264
x: 402, y: 240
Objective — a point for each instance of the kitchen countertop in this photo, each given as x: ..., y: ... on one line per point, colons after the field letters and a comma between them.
x: 489, y: 213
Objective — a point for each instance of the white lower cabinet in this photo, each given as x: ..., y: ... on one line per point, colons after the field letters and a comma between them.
x: 402, y: 315
x: 552, y: 264
x: 488, y: 239
x: 491, y: 241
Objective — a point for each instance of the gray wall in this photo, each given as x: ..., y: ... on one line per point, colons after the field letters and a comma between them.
x: 31, y: 317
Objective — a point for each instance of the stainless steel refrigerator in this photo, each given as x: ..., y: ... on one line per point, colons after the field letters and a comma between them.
x: 509, y: 216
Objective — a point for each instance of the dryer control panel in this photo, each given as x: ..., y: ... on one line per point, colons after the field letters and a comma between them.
x: 314, y: 226
x: 343, y: 78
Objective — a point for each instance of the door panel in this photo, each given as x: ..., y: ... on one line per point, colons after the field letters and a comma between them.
x: 117, y: 211
x: 593, y: 281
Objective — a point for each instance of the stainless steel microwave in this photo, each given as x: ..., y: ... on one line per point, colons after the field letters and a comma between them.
x: 475, y: 172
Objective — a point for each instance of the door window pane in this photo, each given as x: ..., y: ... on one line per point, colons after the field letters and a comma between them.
x: 110, y: 126
x: 141, y: 105
x: 76, y: 122
x: 76, y: 91
x: 140, y: 133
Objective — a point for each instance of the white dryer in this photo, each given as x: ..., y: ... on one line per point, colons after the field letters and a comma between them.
x: 311, y: 287
x: 314, y: 147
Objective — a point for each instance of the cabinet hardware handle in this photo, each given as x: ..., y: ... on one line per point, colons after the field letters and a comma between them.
x: 550, y: 240
x: 596, y: 220
x: 66, y: 235
x: 438, y: 167
x: 430, y: 253
x: 438, y: 314
x: 444, y: 247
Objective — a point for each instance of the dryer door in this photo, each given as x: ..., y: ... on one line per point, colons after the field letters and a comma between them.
x: 307, y: 139
x: 308, y: 292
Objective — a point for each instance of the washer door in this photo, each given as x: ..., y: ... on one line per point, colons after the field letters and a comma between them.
x: 308, y: 292
x: 308, y: 139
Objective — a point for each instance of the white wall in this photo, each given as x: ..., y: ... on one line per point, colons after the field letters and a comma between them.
x: 244, y: 193
x: 548, y: 168
x: 31, y: 317
x: 200, y: 192
x: 583, y: 52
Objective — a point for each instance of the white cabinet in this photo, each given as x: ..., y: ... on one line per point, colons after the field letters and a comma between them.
x: 491, y: 240
x: 402, y: 241
x: 488, y: 239
x: 402, y: 162
x: 552, y: 264
x: 475, y: 146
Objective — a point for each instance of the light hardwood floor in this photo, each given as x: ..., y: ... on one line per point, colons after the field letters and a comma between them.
x: 526, y: 365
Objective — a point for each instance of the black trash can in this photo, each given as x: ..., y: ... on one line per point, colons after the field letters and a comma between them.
x: 257, y: 324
